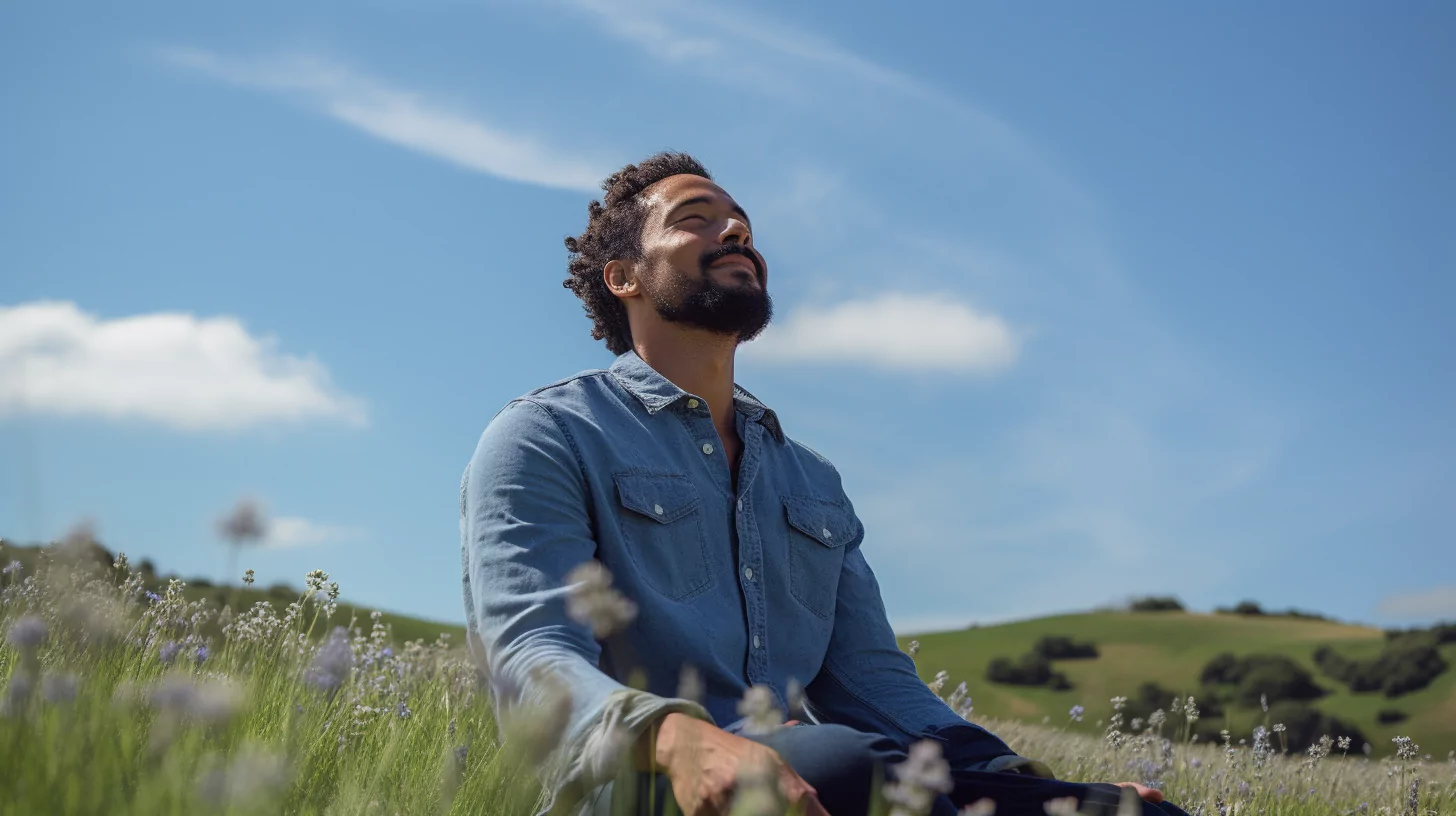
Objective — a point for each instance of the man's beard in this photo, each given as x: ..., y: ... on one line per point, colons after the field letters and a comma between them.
x: 741, y: 311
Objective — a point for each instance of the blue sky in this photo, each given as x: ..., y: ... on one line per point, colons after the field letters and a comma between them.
x: 1084, y: 302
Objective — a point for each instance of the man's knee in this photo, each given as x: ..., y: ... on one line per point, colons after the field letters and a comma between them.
x: 839, y: 762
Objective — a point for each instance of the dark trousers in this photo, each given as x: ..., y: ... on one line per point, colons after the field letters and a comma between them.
x: 842, y: 764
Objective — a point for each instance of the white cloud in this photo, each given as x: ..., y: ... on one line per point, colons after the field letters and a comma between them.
x: 292, y: 531
x: 400, y: 117
x: 176, y: 369
x: 1436, y: 603
x: 894, y: 331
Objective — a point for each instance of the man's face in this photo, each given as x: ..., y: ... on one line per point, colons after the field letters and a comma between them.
x: 698, y: 264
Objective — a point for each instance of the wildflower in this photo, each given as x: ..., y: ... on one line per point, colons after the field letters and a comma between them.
x: 404, y: 711
x: 941, y: 678
x: 333, y: 662
x: 13, y: 566
x: 1118, y: 703
x: 593, y: 602
x: 1405, y: 749
x: 760, y: 707
x: 1343, y: 743
x: 607, y: 747
x: 913, y: 649
x: 538, y: 722
x: 248, y: 578
x: 1065, y: 806
x: 1190, y: 711
x: 201, y: 655
x: 1279, y: 728
x: 58, y: 688
x: 28, y: 633
x: 796, y: 698
x: 1157, y: 718
x: 918, y: 780
x: 1264, y: 702
x: 757, y: 792
x: 1076, y: 713
x: 168, y: 652
x: 154, y: 597
x: 690, y: 684
x: 17, y: 691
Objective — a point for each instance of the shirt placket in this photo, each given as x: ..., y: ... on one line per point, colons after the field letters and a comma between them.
x: 750, y: 553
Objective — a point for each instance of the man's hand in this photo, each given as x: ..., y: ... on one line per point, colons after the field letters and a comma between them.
x: 703, y: 761
x: 1148, y: 794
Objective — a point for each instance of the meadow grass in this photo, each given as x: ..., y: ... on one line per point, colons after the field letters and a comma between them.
x: 120, y: 700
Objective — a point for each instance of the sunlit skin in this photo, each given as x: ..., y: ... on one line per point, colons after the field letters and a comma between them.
x: 687, y: 217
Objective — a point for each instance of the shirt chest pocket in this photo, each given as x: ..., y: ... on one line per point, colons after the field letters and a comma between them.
x: 663, y: 529
x: 818, y: 531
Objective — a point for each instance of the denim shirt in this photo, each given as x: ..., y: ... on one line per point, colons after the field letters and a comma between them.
x: 763, y: 585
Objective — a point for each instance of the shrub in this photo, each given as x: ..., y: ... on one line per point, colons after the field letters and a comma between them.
x: 1061, y: 647
x: 1030, y: 670
x: 1258, y: 677
x: 1156, y: 603
x: 1390, y: 716
x: 1248, y: 608
x: 1408, y: 663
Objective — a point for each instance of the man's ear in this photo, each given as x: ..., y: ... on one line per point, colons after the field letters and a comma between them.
x: 621, y: 279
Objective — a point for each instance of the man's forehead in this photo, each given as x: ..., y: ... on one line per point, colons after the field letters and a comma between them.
x: 682, y: 187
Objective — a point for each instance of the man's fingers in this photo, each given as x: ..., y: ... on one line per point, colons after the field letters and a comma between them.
x: 1148, y: 794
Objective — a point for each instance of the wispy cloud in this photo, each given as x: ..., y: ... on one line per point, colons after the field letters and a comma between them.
x: 401, y: 117
x: 172, y: 368
x: 293, y: 531
x: 893, y: 331
x: 1436, y: 603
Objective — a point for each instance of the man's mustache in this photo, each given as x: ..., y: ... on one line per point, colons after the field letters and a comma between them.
x: 710, y: 258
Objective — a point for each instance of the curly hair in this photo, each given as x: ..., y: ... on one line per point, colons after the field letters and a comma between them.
x: 614, y: 232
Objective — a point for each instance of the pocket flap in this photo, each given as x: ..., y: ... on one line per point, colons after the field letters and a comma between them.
x: 664, y: 497
x: 824, y: 521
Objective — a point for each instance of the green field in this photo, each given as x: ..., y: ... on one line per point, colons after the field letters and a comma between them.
x: 1171, y: 649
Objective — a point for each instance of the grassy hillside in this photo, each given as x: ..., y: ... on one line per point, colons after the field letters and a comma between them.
x: 402, y: 627
x: 1171, y: 648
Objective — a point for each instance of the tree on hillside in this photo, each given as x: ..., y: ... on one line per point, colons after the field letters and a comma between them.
x: 1156, y: 603
x: 243, y: 526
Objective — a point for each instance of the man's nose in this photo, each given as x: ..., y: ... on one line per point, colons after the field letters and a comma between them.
x: 736, y: 232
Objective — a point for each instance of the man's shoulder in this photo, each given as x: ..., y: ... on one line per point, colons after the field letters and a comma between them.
x: 567, y: 395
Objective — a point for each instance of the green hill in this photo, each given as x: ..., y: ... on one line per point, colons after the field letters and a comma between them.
x: 1171, y: 649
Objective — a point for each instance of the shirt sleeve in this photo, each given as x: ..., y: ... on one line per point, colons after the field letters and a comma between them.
x: 867, y: 683
x: 525, y: 523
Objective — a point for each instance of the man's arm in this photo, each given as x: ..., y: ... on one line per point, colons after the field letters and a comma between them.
x: 524, y: 525
x: 868, y: 684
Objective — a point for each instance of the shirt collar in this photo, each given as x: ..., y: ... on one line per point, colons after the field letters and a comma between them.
x: 656, y: 392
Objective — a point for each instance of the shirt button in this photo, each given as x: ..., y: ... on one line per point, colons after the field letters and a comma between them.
x: 707, y: 449
x: 657, y: 508
x: 755, y: 642
x: 740, y: 505
x: 748, y: 573
x: 826, y: 533
x: 692, y: 403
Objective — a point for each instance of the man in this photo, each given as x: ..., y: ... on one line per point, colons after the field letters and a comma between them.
x: 737, y: 544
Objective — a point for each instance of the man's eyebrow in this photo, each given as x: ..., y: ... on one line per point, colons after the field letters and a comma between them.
x: 708, y: 200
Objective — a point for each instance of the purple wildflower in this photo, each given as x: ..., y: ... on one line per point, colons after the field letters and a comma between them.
x: 13, y: 566
x: 333, y: 663
x: 201, y: 655
x: 404, y: 712
x: 154, y: 597
x: 168, y: 652
x: 28, y: 633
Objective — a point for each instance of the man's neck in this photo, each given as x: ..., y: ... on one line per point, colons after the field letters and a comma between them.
x: 699, y: 363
